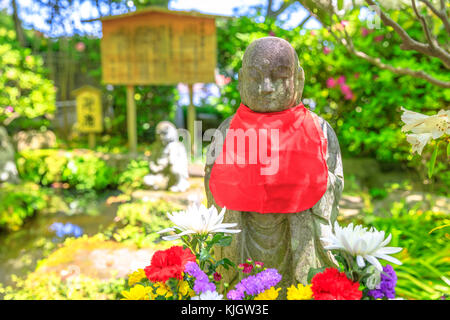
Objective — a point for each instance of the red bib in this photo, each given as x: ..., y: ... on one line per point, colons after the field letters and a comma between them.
x: 271, y: 162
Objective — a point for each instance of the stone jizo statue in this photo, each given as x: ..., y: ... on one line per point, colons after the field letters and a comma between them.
x: 168, y: 161
x: 8, y: 169
x: 271, y: 84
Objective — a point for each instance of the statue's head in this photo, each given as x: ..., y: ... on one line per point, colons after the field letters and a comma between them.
x: 167, y: 132
x: 271, y: 78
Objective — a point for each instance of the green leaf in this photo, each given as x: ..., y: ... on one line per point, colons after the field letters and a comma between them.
x: 432, y: 162
x: 204, y: 254
x: 226, y: 263
x: 448, y: 149
x: 225, y: 241
x: 340, y: 4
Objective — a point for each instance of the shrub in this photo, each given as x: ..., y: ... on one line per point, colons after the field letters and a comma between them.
x: 19, y: 202
x: 24, y: 90
x: 133, y: 176
x: 81, y: 170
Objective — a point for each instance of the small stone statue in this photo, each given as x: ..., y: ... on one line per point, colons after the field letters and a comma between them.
x: 168, y: 162
x: 271, y: 80
x: 8, y: 169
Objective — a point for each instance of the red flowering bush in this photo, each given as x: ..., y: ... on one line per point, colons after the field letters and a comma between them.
x: 168, y: 264
x: 334, y: 285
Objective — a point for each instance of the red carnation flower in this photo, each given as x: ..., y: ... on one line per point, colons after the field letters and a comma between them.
x: 246, y: 268
x: 217, y: 276
x: 168, y: 264
x: 334, y: 285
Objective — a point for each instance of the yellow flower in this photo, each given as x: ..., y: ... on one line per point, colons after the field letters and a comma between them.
x: 300, y: 292
x: 185, y: 290
x: 163, y: 290
x: 138, y: 292
x: 269, y: 294
x: 136, y: 276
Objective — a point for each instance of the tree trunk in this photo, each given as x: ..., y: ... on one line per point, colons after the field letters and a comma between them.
x: 18, y: 25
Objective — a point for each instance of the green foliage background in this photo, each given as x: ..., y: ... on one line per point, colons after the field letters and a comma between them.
x: 23, y: 79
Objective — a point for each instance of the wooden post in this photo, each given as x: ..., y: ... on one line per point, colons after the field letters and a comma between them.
x: 131, y: 120
x: 191, y: 117
x: 91, y: 140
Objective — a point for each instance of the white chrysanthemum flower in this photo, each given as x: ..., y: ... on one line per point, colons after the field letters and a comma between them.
x: 418, y: 123
x: 208, y: 295
x: 363, y: 244
x: 198, y: 219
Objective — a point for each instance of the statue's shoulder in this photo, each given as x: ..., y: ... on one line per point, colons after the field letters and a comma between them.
x: 217, y: 141
x: 225, y: 124
x: 326, y: 128
x: 333, y: 148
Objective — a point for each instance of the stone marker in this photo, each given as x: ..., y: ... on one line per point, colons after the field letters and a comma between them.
x: 271, y: 80
x: 168, y: 162
x: 8, y: 169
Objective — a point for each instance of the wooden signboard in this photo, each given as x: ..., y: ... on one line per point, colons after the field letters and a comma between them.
x: 89, y: 109
x: 158, y: 47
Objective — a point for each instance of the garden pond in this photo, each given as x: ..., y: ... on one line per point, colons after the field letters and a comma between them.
x: 77, y: 214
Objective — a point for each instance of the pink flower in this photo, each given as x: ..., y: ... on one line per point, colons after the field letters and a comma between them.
x: 259, y: 264
x: 356, y: 75
x: 9, y: 109
x: 80, y: 46
x: 344, y: 23
x: 341, y: 80
x: 313, y: 33
x: 345, y: 89
x: 272, y: 34
x: 364, y: 32
x: 379, y: 38
x: 349, y: 96
x: 331, y: 82
x: 222, y: 80
x: 326, y: 50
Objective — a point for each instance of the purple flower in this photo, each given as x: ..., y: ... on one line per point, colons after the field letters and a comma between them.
x: 255, y: 284
x: 387, y: 284
x: 201, y: 283
x: 235, y: 295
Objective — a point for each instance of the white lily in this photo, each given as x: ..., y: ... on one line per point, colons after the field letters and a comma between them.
x: 418, y: 141
x: 208, y: 295
x: 418, y: 123
x: 198, y: 219
x: 363, y: 244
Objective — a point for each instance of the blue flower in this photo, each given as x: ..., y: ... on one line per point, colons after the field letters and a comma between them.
x: 67, y: 229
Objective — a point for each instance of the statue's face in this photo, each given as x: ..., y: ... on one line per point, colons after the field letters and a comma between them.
x: 270, y: 79
x: 167, y: 133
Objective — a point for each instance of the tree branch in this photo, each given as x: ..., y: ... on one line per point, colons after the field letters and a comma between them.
x: 411, y: 44
x: 275, y: 13
x: 442, y: 14
x: 348, y: 43
x: 425, y: 27
x: 301, y: 24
